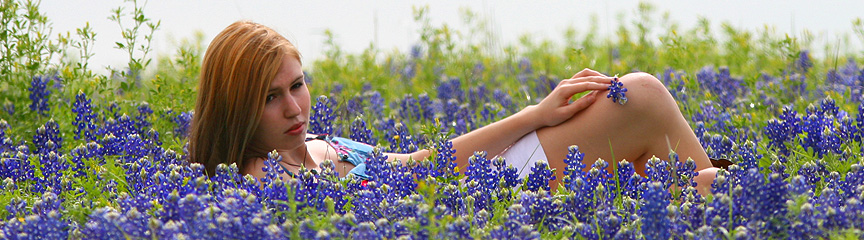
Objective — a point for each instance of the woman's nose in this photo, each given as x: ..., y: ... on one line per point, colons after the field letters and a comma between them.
x: 291, y: 108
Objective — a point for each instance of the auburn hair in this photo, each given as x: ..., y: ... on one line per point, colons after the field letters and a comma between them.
x: 236, y: 72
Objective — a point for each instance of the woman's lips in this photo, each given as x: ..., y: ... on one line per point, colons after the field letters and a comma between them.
x: 296, y: 129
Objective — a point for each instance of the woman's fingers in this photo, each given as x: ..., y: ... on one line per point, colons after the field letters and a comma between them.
x: 582, y: 102
x: 587, y: 72
x: 596, y: 79
x: 568, y: 90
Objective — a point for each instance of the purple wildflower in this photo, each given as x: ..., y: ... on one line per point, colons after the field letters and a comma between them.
x: 182, y: 122
x: 84, y: 117
x: 361, y: 133
x: 617, y: 92
x: 539, y: 177
x: 39, y: 94
x: 655, y: 200
x: 322, y: 118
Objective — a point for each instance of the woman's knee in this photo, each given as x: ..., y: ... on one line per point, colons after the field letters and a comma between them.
x: 640, y: 80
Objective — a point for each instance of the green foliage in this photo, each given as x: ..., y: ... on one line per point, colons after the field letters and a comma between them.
x: 442, y: 53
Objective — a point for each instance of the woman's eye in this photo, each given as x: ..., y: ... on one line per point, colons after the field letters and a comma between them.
x: 270, y: 97
x: 297, y: 85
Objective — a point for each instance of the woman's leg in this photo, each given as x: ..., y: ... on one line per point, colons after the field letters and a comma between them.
x: 635, y: 131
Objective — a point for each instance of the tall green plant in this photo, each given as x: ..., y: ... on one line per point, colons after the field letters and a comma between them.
x: 132, y: 44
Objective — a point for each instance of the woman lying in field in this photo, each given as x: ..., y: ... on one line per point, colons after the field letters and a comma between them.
x: 252, y: 100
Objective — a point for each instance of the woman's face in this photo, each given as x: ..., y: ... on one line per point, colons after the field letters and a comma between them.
x: 286, y: 111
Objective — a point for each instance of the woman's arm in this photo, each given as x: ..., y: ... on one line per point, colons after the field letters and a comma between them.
x: 551, y: 111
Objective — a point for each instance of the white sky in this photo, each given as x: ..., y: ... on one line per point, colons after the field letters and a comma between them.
x: 353, y: 22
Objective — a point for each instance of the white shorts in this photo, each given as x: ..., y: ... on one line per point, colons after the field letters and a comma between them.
x: 523, y: 153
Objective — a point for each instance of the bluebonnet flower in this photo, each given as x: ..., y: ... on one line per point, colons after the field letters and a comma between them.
x: 676, y: 85
x: 830, y: 209
x: 361, y: 133
x: 409, y: 71
x: 516, y: 225
x: 119, y: 127
x: 859, y: 119
x: 451, y: 89
x: 748, y: 156
x: 718, y: 146
x: 617, y: 92
x: 506, y: 174
x: 416, y: 51
x: 182, y: 122
x: 542, y: 209
x: 141, y: 120
x: 84, y: 117
x: 53, y: 166
x: 783, y: 130
x: 539, y: 177
x: 5, y: 138
x: 36, y: 226
x: 408, y: 108
x: 574, y: 167
x: 685, y: 171
x: 376, y: 103
x: 457, y: 229
x: 849, y: 78
x: 846, y: 130
x: 772, y: 206
x: 39, y: 94
x: 807, y: 224
x: 628, y: 179
x: 481, y: 181
x: 9, y: 107
x: 827, y: 106
x: 273, y: 171
x: 322, y: 119
x: 464, y: 119
x: 450, y: 118
x: 658, y: 170
x: 47, y: 138
x: 427, y: 112
x: 365, y: 230
x: 803, y: 63
x: 107, y: 223
x: 401, y: 140
x: 477, y: 96
x: 44, y: 220
x: 505, y: 100
x: 655, y: 200
x: 525, y: 65
x: 605, y: 185
x: 355, y: 105
x: 722, y: 84
x: 854, y: 179
x: 489, y: 114
x: 819, y: 135
x: 544, y: 85
x: 707, y: 113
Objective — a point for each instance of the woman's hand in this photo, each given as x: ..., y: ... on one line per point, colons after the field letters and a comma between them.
x: 587, y: 72
x: 557, y: 108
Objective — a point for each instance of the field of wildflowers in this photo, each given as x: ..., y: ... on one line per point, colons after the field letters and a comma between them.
x: 87, y: 155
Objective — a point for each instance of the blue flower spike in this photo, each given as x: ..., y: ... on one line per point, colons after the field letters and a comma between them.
x: 617, y: 92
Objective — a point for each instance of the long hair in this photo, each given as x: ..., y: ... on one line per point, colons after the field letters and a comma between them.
x: 238, y: 68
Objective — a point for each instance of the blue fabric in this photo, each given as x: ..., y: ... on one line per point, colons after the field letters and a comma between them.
x: 354, y: 152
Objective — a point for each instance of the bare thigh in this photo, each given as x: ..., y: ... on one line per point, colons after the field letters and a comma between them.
x: 635, y: 131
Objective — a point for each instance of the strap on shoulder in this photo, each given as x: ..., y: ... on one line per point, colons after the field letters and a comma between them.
x: 319, y: 137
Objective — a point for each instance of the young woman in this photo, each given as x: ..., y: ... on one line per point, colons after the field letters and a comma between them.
x: 252, y: 99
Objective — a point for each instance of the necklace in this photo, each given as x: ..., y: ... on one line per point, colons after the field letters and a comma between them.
x: 302, y: 164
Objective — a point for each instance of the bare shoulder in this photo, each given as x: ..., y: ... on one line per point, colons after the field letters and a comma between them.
x: 254, y: 167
